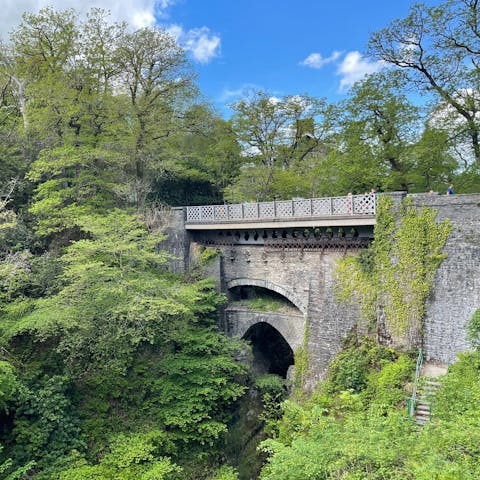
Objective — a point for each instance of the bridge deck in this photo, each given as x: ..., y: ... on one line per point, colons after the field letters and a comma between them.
x: 352, y: 210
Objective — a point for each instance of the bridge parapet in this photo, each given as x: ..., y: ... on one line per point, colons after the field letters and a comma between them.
x: 297, y: 209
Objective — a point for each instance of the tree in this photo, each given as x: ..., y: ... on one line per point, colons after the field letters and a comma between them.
x: 437, y: 50
x: 199, y: 160
x: 275, y: 134
x: 433, y: 164
x: 274, y: 128
x: 95, y: 84
x: 376, y: 126
x: 157, y: 78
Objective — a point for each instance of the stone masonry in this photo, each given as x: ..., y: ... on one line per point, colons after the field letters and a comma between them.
x: 307, y: 280
x: 456, y: 290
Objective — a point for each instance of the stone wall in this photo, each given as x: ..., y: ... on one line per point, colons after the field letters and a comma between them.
x: 308, y: 277
x: 456, y: 290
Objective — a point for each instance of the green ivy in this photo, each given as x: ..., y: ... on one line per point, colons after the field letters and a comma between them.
x: 393, y: 278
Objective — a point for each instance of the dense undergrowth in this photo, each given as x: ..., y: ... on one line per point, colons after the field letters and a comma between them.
x: 355, y: 427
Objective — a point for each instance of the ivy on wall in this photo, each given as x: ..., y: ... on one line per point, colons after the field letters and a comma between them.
x: 392, y: 279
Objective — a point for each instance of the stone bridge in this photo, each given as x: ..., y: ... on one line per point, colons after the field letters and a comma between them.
x: 289, y: 250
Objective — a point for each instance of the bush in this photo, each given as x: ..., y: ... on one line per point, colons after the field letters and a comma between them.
x: 351, y: 367
x: 473, y: 330
x: 270, y: 383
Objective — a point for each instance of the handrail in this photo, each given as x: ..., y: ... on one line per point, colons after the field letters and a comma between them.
x: 284, y: 209
x: 412, y: 400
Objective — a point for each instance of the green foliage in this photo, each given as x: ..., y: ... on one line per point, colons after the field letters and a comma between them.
x: 340, y: 433
x: 112, y: 301
x: 11, y: 473
x: 262, y: 304
x: 75, y: 182
x: 46, y: 427
x: 196, y: 386
x: 473, y: 329
x: 225, y: 473
x: 451, y: 443
x: 115, y: 368
x: 386, y: 387
x: 365, y: 435
x: 271, y: 384
x: 278, y: 136
x: 9, y: 385
x: 351, y: 367
x: 114, y: 297
x: 394, y: 277
x: 437, y: 66
x: 273, y: 390
x: 130, y: 457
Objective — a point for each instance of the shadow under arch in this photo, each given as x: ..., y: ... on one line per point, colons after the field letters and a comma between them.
x: 271, y: 352
x: 240, y: 282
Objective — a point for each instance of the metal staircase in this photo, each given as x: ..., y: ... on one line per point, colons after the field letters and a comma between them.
x: 424, y: 389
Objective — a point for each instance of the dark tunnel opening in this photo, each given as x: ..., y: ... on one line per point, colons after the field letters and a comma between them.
x: 271, y: 352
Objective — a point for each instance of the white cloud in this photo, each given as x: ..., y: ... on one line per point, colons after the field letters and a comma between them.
x: 176, y: 31
x: 315, y: 60
x: 200, y: 42
x: 138, y: 13
x: 354, y: 67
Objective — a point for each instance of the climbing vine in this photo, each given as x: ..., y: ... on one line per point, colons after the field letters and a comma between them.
x: 392, y: 280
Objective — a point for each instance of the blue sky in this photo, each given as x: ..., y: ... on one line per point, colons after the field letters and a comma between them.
x: 284, y: 47
x: 265, y: 44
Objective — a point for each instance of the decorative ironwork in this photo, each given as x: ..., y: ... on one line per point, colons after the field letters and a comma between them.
x: 285, y: 209
x: 340, y: 244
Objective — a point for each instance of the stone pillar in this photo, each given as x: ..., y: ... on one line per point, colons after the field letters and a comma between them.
x: 177, y: 241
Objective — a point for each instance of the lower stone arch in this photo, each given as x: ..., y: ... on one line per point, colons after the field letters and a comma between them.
x: 271, y: 351
x: 239, y: 282
x: 291, y: 327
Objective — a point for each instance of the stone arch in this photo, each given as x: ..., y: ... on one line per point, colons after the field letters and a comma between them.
x: 291, y: 327
x: 271, y: 351
x: 240, y: 282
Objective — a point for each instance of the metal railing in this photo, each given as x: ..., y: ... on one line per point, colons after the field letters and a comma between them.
x: 411, y: 402
x: 284, y: 209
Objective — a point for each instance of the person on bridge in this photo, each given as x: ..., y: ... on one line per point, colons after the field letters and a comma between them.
x: 450, y: 190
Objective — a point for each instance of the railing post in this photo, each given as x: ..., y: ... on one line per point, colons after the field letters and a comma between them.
x: 258, y: 210
x: 311, y: 207
x: 413, y: 398
x: 331, y: 205
x: 292, y: 209
x: 243, y: 212
x: 274, y: 208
